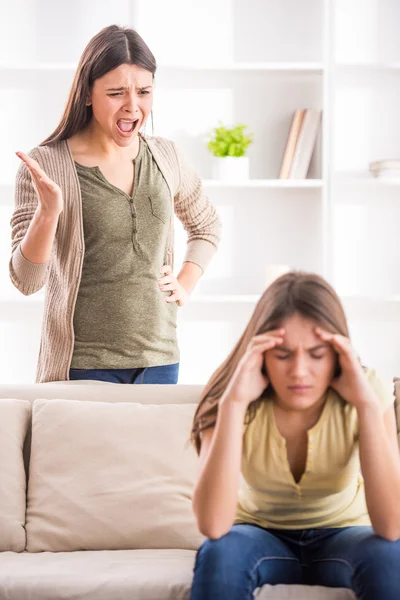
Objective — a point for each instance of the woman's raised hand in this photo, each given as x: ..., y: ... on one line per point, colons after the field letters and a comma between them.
x: 49, y: 193
x: 249, y: 381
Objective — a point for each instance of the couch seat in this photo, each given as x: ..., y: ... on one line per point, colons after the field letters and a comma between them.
x: 120, y: 575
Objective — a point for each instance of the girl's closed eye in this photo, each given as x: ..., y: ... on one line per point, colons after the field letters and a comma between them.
x: 281, y: 356
x: 286, y: 355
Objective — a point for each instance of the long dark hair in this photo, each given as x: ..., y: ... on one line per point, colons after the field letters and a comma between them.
x: 296, y: 292
x: 111, y: 47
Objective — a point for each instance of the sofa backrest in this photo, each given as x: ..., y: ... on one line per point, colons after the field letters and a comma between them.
x: 109, y: 392
x: 104, y: 392
x: 100, y: 392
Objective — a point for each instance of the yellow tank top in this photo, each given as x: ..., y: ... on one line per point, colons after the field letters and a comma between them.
x: 330, y: 492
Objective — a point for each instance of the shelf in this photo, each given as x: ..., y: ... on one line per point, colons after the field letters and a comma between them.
x: 368, y: 66
x: 391, y: 299
x: 24, y: 309
x: 240, y: 299
x: 21, y: 300
x: 265, y: 183
x: 254, y: 298
x: 302, y: 67
x: 305, y: 67
x: 376, y: 308
x: 45, y: 67
x: 363, y: 178
x: 225, y: 298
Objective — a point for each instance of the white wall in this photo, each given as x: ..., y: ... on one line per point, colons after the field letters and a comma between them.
x: 347, y: 222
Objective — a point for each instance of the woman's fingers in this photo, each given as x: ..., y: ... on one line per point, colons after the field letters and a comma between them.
x: 33, y: 166
x: 169, y: 287
x: 263, y: 337
x: 166, y: 269
x: 262, y: 346
x: 173, y: 297
x: 279, y: 331
x: 165, y: 280
x: 340, y: 343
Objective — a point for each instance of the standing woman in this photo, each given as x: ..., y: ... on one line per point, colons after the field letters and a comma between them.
x: 94, y: 221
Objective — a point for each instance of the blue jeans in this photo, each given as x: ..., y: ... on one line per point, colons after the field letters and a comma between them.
x: 248, y: 557
x: 163, y: 374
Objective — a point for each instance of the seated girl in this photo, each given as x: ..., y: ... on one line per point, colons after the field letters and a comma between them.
x: 299, y: 463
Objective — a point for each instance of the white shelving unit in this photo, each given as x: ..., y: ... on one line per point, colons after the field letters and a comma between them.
x: 264, y: 183
x: 262, y: 60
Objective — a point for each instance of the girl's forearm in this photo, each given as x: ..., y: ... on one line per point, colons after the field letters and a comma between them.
x: 380, y: 468
x: 215, y: 496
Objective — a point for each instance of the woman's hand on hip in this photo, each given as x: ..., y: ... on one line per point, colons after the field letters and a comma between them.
x: 169, y: 283
x: 50, y: 200
x: 249, y: 379
x: 352, y: 383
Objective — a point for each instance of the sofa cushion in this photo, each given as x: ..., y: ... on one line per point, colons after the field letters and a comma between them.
x: 14, y: 424
x: 110, y: 477
x: 107, y: 575
x: 122, y: 575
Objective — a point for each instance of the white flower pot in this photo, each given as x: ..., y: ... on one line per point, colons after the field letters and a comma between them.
x: 231, y: 168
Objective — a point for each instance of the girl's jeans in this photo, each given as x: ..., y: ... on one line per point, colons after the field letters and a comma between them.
x: 248, y: 557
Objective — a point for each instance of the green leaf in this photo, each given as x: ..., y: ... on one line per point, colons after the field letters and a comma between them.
x: 229, y: 142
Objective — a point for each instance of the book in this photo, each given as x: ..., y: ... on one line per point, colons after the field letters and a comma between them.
x: 386, y: 173
x: 378, y: 165
x: 305, y: 144
x: 295, y: 127
x: 386, y: 169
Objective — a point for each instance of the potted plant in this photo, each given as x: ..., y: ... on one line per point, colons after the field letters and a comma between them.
x: 229, y: 148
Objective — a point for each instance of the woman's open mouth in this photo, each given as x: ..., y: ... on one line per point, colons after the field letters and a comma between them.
x: 127, y: 126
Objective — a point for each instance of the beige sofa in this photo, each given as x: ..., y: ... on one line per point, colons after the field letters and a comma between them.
x: 106, y: 510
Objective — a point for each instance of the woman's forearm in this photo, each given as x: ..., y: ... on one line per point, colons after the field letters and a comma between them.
x: 380, y: 467
x: 189, y: 275
x: 215, y: 495
x: 39, y: 238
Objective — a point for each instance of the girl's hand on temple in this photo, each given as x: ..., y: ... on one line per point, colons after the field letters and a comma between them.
x: 169, y: 283
x: 49, y: 194
x: 352, y: 384
x: 249, y: 379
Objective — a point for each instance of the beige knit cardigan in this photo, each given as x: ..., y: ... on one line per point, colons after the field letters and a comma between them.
x: 62, y: 273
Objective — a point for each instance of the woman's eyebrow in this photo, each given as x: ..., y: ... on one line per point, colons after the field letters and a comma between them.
x: 317, y: 347
x: 117, y: 89
x: 122, y: 88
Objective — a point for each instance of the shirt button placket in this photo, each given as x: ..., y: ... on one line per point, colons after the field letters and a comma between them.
x: 133, y: 212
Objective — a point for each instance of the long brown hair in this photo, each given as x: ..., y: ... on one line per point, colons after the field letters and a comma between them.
x: 111, y: 47
x: 296, y: 292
